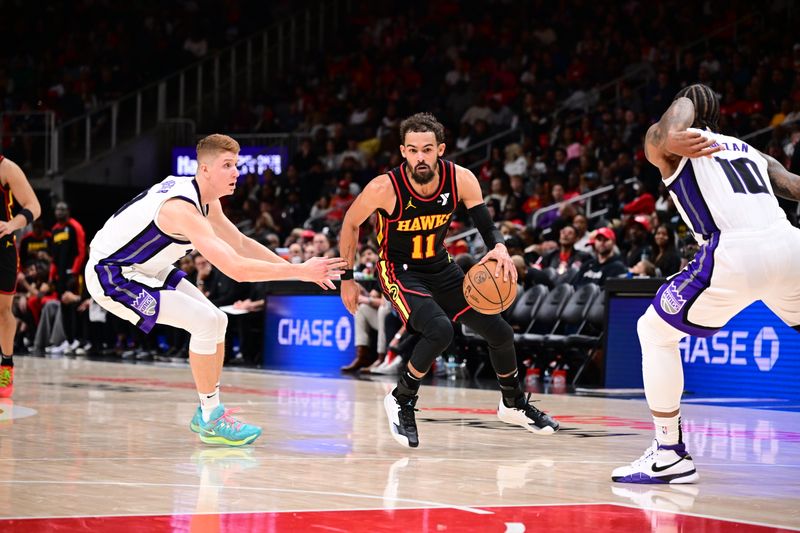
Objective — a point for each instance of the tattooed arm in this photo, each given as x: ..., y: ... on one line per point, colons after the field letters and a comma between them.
x: 784, y: 183
x: 660, y: 146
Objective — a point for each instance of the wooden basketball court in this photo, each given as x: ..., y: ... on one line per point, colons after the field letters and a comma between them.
x: 97, y: 446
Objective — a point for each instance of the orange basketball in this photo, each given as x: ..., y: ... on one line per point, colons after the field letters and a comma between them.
x: 488, y: 294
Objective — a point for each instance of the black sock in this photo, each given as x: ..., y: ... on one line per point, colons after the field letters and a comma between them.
x: 7, y: 360
x: 511, y: 389
x: 407, y: 386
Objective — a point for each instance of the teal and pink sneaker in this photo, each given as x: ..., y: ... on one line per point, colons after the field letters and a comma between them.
x: 6, y: 381
x: 197, y: 420
x: 223, y: 428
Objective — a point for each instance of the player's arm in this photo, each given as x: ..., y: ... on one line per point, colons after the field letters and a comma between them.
x: 178, y: 217
x: 784, y: 183
x: 667, y: 141
x: 12, y: 175
x: 244, y: 245
x: 378, y: 194
x: 469, y: 192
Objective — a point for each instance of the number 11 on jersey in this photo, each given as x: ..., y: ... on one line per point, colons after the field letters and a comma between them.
x: 416, y: 253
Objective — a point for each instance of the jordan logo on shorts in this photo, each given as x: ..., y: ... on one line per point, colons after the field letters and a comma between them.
x: 671, y: 300
x: 145, y: 303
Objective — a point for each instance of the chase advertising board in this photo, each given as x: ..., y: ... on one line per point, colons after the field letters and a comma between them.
x: 308, y: 333
x: 755, y: 355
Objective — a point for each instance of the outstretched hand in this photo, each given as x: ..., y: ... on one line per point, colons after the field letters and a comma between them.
x: 691, y: 144
x: 321, y: 270
x: 504, y: 263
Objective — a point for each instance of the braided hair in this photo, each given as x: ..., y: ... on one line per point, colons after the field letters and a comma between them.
x: 706, y: 105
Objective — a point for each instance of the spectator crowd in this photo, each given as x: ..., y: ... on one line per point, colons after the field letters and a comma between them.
x: 520, y: 89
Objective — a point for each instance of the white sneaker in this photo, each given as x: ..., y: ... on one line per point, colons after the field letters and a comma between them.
x: 659, y: 464
x: 402, y: 423
x: 527, y: 416
x: 83, y: 350
x: 57, y: 350
x: 392, y: 367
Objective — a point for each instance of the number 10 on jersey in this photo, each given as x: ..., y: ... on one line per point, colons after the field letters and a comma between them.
x: 416, y: 253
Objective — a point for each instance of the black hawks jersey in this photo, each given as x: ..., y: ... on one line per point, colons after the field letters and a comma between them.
x: 413, y: 234
x: 6, y: 210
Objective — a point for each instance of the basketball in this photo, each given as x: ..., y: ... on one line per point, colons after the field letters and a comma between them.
x: 486, y: 293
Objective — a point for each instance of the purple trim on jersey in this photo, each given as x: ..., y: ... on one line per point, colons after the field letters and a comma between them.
x: 687, y: 190
x: 143, y: 247
x: 674, y: 299
x: 139, y: 298
x: 174, y: 278
x: 203, y: 208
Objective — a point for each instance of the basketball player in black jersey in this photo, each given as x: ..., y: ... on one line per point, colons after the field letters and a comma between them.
x: 415, y: 203
x: 17, y: 196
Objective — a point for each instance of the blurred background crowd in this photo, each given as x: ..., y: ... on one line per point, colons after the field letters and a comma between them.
x: 547, y: 103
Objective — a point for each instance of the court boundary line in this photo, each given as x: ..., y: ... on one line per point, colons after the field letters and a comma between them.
x: 387, y: 509
x: 433, y: 504
x: 360, y: 509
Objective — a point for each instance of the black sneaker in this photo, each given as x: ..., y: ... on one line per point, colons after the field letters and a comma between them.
x: 525, y: 415
x: 401, y: 420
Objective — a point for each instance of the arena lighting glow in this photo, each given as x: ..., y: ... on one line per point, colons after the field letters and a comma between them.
x: 252, y: 160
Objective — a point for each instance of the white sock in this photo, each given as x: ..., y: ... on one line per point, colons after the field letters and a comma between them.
x: 668, y: 430
x: 208, y: 402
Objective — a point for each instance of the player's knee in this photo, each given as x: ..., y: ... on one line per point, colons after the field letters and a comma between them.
x: 204, y: 330
x: 439, y: 331
x: 222, y: 325
x: 653, y: 329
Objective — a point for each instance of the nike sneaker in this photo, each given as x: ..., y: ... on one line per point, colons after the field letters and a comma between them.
x: 402, y: 423
x: 223, y: 428
x: 659, y: 464
x: 6, y: 381
x: 525, y: 415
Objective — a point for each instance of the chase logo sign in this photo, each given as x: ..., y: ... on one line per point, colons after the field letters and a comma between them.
x: 307, y: 332
x: 732, y: 347
x: 766, y: 349
x: 755, y: 355
x: 304, y: 332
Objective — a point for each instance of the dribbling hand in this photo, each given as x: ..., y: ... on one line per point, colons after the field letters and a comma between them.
x: 321, y: 270
x: 504, y: 263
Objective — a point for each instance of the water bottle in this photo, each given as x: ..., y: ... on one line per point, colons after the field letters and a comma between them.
x: 451, y: 367
x: 439, y: 367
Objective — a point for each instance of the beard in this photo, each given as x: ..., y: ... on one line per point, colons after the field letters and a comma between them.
x: 425, y: 175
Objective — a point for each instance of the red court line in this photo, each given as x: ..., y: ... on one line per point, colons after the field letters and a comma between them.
x: 553, y: 519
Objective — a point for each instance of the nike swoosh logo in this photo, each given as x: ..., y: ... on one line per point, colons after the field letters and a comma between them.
x: 657, y: 468
x: 212, y: 432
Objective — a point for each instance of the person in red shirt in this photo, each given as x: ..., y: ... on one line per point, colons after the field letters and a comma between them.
x: 341, y: 201
x: 35, y: 243
x: 69, y: 249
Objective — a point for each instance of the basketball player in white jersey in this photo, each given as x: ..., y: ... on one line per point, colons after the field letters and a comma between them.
x: 725, y: 191
x: 130, y: 271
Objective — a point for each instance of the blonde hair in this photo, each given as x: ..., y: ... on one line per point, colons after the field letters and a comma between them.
x: 216, y: 143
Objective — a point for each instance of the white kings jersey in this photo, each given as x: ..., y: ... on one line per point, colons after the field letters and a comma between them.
x: 132, y: 240
x: 729, y: 191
